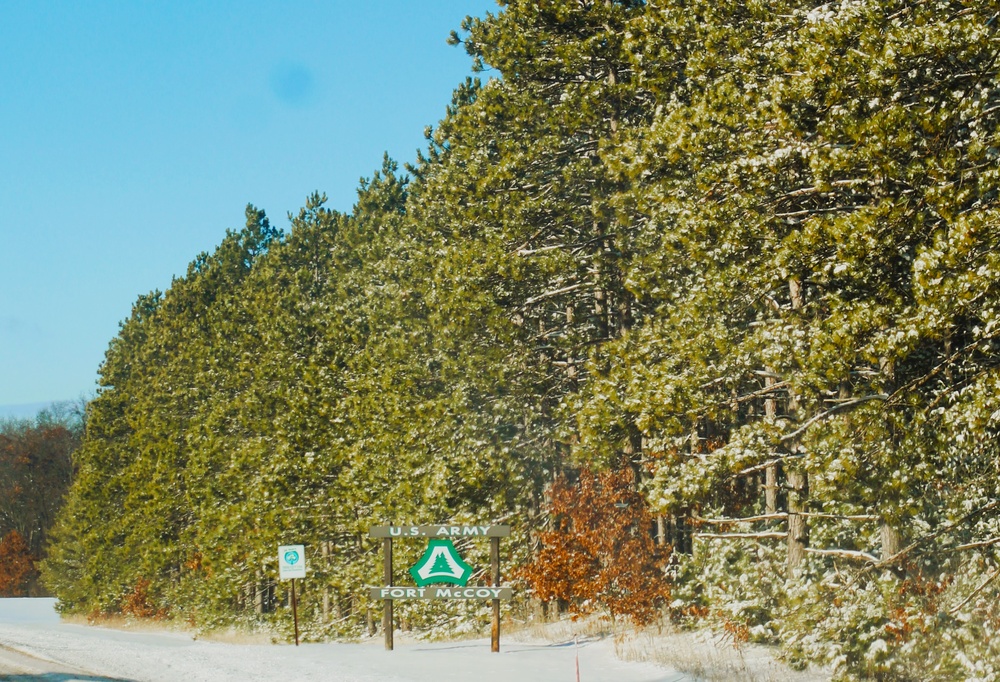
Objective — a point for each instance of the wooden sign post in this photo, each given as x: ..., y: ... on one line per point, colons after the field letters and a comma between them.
x: 387, y: 605
x: 292, y: 565
x: 495, y: 579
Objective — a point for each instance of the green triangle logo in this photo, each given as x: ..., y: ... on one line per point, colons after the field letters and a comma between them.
x: 441, y: 563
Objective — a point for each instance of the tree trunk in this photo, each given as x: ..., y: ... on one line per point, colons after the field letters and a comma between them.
x: 798, y: 531
x: 259, y: 593
x: 771, y: 472
x: 798, y: 482
x: 889, y: 536
x: 892, y: 541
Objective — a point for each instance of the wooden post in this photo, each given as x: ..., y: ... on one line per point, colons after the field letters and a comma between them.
x: 387, y: 603
x: 295, y: 614
x: 495, y: 566
x: 259, y: 593
x: 325, y: 548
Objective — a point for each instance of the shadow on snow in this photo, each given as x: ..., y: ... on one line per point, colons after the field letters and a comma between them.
x: 59, y: 677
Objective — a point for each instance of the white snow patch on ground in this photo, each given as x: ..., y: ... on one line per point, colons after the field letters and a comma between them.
x: 31, y: 626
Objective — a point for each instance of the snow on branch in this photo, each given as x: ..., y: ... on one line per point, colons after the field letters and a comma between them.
x: 844, y: 554
x: 832, y: 411
x: 556, y: 292
x: 841, y: 517
x: 748, y: 519
x: 976, y: 591
x: 975, y: 545
x: 894, y: 559
x: 768, y: 463
x: 777, y: 535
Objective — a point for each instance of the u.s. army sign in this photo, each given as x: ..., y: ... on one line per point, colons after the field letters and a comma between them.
x: 441, y: 563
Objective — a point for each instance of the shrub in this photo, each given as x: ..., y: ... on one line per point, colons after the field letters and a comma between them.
x: 599, y: 552
x: 17, y: 566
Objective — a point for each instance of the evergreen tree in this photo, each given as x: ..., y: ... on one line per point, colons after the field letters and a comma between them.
x: 743, y: 254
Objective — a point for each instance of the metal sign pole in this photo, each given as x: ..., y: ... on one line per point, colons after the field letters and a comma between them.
x: 292, y: 565
x: 387, y: 603
x: 295, y: 614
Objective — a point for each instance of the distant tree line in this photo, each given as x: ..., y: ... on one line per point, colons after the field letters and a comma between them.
x: 36, y: 469
x: 742, y: 256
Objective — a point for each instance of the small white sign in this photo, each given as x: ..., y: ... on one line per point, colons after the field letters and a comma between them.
x: 291, y: 562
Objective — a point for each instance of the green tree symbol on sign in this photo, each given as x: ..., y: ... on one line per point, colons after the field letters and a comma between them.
x: 441, y: 563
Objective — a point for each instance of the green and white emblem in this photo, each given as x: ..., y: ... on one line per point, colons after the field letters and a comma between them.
x: 441, y: 563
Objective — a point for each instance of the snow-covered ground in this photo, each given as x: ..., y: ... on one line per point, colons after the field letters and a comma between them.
x: 31, y: 626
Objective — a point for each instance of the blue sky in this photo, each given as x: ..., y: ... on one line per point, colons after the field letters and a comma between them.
x: 132, y: 134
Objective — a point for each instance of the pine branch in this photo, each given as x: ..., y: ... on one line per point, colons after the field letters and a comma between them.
x: 894, y: 559
x: 832, y: 411
x: 976, y: 591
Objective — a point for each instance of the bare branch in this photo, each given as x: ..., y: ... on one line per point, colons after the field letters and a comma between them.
x: 943, y: 365
x: 814, y: 211
x: 770, y: 462
x: 530, y: 252
x: 844, y: 554
x: 975, y: 545
x: 556, y: 292
x: 938, y: 533
x: 776, y: 535
x: 843, y: 517
x: 832, y: 411
x: 748, y: 519
x: 976, y: 591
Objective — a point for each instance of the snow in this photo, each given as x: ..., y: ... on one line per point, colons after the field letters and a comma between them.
x: 32, y: 627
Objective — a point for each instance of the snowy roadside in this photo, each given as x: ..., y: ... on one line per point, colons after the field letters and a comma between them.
x: 31, y: 626
x: 698, y: 655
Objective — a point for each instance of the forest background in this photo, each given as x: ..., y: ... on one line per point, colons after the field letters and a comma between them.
x: 727, y: 272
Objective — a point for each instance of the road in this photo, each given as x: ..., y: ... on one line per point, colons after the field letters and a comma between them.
x: 18, y: 667
x: 35, y: 646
